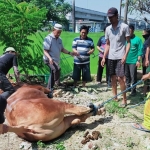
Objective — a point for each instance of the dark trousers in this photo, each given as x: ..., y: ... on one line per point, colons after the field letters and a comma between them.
x: 54, y: 77
x: 8, y: 89
x: 131, y: 75
x: 100, y: 71
x: 144, y: 67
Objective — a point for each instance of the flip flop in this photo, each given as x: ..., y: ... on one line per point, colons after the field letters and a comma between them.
x: 94, y: 109
x: 139, y: 127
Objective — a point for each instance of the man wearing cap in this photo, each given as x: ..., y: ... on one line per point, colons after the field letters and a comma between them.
x: 116, y: 48
x: 7, y: 61
x: 53, y: 47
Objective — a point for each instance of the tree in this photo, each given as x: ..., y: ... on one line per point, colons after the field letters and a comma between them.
x: 141, y: 6
x: 18, y: 21
x: 56, y: 9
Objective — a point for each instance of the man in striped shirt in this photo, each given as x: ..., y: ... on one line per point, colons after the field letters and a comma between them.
x: 82, y: 46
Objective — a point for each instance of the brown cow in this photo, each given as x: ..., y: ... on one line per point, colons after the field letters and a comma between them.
x: 30, y: 107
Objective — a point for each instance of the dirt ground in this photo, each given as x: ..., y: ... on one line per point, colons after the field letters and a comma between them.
x: 116, y: 132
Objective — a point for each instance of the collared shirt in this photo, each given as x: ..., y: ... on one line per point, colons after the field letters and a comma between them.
x: 54, y: 47
x: 83, y: 47
x: 117, y: 38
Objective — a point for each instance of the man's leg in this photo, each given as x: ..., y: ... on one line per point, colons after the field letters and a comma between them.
x: 133, y: 72
x: 108, y: 78
x: 127, y: 75
x: 99, y: 71
x: 8, y: 89
x: 76, y: 73
x: 120, y: 74
x: 86, y: 75
x: 111, y: 69
x: 114, y: 85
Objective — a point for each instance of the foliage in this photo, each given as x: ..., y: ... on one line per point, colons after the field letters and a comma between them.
x: 56, y: 9
x: 18, y: 21
x: 141, y: 6
x: 41, y: 144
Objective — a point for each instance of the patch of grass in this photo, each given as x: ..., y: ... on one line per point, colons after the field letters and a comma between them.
x: 129, y: 143
x: 113, y: 107
x: 108, y: 131
x: 41, y: 144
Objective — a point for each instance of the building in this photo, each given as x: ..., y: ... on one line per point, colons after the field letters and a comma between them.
x: 97, y: 20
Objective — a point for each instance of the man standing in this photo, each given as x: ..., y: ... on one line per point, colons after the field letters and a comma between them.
x: 52, y: 49
x: 116, y: 48
x: 82, y: 46
x: 7, y: 61
x: 133, y: 60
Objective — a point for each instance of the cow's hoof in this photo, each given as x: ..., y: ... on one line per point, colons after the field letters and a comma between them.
x: 102, y: 111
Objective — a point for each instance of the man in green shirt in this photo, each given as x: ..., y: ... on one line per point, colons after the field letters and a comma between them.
x: 133, y: 60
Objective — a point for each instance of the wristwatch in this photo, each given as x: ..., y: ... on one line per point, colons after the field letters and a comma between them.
x: 68, y: 53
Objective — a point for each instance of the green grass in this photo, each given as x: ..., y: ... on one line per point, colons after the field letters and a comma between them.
x: 67, y: 38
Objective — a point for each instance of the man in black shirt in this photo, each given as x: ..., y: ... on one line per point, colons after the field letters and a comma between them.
x: 7, y: 61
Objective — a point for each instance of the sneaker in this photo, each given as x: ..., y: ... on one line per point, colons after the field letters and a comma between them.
x: 50, y: 95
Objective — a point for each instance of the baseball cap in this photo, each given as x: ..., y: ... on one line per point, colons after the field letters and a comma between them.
x: 58, y: 26
x: 112, y: 11
x: 8, y: 49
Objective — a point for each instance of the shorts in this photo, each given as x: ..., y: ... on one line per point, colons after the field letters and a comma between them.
x: 85, y: 69
x: 115, y: 67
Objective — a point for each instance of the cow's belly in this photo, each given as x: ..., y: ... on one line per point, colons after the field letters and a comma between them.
x: 45, y: 132
x: 37, y: 111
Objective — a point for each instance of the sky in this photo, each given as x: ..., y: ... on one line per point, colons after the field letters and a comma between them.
x: 100, y: 5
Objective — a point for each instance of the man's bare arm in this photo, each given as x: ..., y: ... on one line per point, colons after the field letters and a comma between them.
x: 147, y: 56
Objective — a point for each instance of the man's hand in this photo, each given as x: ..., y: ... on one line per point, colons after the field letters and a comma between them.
x: 123, y: 60
x: 146, y: 63
x: 90, y: 51
x: 146, y: 76
x: 51, y: 61
x: 138, y: 64
x: 75, y: 53
x: 103, y: 62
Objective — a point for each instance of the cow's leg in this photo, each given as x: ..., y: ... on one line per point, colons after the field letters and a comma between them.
x: 77, y: 110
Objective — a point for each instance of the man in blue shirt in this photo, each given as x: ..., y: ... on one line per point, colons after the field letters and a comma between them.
x: 82, y: 46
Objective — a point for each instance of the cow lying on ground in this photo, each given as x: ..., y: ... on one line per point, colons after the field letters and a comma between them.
x: 30, y: 107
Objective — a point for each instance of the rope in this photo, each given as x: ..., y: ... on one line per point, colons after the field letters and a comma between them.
x: 119, y: 94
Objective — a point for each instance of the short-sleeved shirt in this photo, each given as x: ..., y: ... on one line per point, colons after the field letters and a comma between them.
x: 117, y: 38
x: 135, y: 50
x: 101, y: 43
x: 7, y: 61
x: 83, y: 47
x: 54, y: 47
